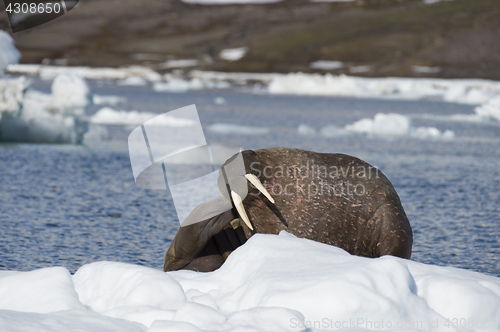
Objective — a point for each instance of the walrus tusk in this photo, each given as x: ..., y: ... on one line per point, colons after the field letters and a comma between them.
x: 241, y: 210
x: 257, y: 184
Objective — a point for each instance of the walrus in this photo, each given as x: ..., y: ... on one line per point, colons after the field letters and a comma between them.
x: 335, y: 199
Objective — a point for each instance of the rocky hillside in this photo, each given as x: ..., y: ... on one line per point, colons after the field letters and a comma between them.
x: 459, y: 38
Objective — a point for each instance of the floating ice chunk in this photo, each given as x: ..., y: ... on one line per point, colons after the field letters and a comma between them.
x: 110, y: 116
x: 50, y: 72
x: 360, y: 69
x: 383, y: 124
x: 108, y: 100
x: 70, y: 95
x: 231, y: 129
x: 132, y: 81
x: 181, y: 63
x: 176, y: 85
x: 44, y: 118
x: 334, y: 131
x: 11, y: 94
x: 220, y: 101
x: 306, y: 130
x: 233, y: 54
x: 9, y: 54
x: 471, y: 91
x: 490, y: 110
x: 431, y: 132
x: 426, y: 69
x: 395, y: 125
x: 326, y: 65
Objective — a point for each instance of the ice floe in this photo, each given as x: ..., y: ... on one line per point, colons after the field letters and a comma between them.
x: 132, y: 81
x: 489, y: 110
x: 108, y: 100
x: 227, y: 129
x: 181, y: 63
x: 46, y: 118
x: 467, y: 91
x: 109, y: 116
x: 395, y: 125
x: 50, y: 72
x: 9, y: 54
x: 272, y: 283
x: 326, y: 65
x: 390, y: 125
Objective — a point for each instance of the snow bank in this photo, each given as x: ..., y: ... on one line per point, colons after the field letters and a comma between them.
x: 46, y: 118
x: 228, y: 129
x: 181, y: 63
x: 233, y: 54
x: 8, y: 52
x: 325, y: 64
x: 110, y: 116
x: 272, y: 283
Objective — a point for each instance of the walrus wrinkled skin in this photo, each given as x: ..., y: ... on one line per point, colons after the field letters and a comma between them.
x: 336, y: 199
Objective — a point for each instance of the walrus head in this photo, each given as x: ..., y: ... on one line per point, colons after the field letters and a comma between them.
x: 205, y: 245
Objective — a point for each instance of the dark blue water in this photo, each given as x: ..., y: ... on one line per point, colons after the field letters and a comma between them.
x: 70, y: 205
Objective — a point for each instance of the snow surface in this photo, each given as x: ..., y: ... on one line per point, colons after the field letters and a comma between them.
x: 181, y: 63
x: 45, y: 118
x: 8, y: 52
x: 272, y: 283
x: 233, y: 54
x: 426, y: 69
x: 326, y: 65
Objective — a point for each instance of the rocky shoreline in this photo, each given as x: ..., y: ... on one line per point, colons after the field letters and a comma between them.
x: 377, y: 38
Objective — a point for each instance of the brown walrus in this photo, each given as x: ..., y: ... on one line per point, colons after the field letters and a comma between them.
x: 331, y: 198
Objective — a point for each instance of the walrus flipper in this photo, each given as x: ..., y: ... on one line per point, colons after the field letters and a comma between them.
x: 396, y: 235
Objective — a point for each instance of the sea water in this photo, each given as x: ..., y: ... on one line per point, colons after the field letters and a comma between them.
x: 67, y: 205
